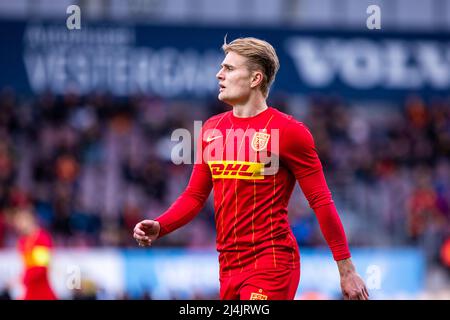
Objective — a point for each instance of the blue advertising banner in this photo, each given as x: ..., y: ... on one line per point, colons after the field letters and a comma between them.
x: 167, y: 273
x: 176, y: 61
x: 180, y: 273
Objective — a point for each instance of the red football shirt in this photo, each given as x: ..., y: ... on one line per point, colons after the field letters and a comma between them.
x: 35, y: 251
x: 252, y: 164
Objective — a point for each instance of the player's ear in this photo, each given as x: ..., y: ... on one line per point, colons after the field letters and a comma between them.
x: 257, y: 78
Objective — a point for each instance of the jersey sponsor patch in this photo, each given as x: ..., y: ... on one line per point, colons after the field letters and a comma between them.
x: 258, y: 296
x: 236, y: 170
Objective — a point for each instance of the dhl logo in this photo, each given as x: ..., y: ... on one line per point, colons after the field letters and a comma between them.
x: 236, y: 170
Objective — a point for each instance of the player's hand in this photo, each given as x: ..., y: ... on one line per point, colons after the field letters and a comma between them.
x: 146, y: 231
x: 353, y: 287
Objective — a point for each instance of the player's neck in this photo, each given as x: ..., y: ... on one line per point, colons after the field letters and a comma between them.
x: 250, y: 108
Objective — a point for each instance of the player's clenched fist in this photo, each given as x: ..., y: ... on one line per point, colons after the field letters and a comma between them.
x: 146, y: 231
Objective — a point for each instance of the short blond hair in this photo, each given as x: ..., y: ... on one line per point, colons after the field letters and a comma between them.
x: 260, y: 55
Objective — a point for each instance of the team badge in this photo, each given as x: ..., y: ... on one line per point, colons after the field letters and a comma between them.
x: 260, y: 140
x: 258, y: 296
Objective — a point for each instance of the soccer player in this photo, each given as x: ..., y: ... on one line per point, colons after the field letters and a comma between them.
x: 252, y: 157
x: 34, y: 246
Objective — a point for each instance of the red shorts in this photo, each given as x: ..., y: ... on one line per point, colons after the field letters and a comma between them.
x: 260, y: 284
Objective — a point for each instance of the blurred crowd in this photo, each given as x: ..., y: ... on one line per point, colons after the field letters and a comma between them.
x: 93, y: 166
x: 388, y: 167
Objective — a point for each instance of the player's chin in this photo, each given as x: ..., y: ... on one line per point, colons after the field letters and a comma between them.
x: 224, y: 98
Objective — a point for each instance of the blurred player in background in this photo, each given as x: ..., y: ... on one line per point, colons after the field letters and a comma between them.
x: 35, y: 246
x: 259, y: 258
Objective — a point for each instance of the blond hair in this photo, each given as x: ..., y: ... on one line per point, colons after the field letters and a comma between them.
x: 260, y: 55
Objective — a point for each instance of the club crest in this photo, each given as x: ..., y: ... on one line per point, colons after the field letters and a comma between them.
x: 260, y: 140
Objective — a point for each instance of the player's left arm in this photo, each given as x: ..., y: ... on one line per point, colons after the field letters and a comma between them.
x: 298, y: 153
x: 38, y: 259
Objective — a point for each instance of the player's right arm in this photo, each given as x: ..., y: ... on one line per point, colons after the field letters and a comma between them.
x: 299, y: 153
x: 184, y: 209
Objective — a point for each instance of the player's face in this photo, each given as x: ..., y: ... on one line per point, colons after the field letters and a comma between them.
x: 234, y: 79
x: 23, y: 222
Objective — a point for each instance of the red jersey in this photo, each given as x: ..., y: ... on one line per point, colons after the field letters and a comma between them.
x: 253, y: 164
x: 35, y: 251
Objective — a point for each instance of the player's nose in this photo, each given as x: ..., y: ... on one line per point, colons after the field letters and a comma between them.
x: 220, y: 75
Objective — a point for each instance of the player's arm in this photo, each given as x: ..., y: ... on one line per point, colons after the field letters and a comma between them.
x: 38, y: 260
x: 298, y: 152
x: 189, y: 204
x: 184, y: 209
x: 37, y: 268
